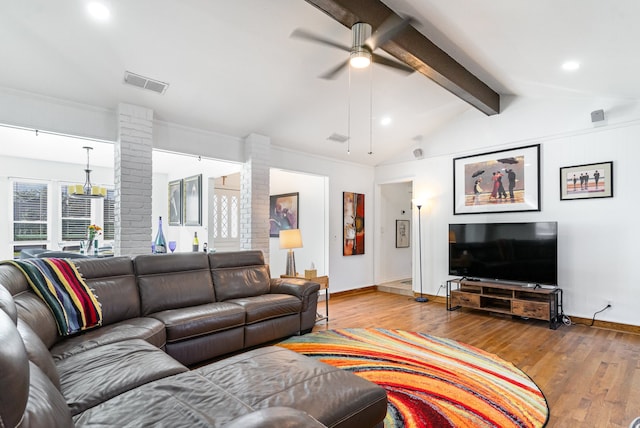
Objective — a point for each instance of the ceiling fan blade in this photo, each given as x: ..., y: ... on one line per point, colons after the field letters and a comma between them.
x: 335, y: 71
x: 390, y: 63
x: 387, y: 31
x: 303, y: 34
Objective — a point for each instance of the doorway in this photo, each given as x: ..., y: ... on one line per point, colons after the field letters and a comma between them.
x: 395, y: 252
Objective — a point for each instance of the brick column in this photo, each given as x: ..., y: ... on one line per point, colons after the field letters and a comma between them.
x: 254, y: 195
x: 133, y: 180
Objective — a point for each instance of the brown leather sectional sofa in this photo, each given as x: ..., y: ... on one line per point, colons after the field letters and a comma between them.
x: 164, y: 318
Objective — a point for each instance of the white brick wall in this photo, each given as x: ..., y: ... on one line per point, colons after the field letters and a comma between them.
x: 133, y: 180
x: 254, y: 195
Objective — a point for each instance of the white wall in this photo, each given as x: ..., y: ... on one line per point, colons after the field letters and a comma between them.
x: 312, y: 221
x: 346, y: 273
x: 597, y: 240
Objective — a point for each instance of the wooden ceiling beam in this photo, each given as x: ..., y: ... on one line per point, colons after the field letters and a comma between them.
x: 416, y: 50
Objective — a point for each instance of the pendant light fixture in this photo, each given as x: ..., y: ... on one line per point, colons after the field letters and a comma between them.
x: 87, y: 190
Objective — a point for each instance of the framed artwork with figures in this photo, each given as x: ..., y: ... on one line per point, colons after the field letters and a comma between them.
x: 497, y: 182
x: 594, y: 180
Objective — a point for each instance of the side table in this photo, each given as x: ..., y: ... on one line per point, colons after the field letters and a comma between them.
x: 324, y: 285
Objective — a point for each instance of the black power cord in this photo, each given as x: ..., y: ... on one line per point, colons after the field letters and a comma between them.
x: 593, y: 320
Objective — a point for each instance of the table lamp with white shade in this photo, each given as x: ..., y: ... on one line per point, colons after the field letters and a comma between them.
x: 290, y: 239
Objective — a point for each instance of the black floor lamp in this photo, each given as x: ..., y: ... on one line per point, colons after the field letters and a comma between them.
x: 420, y: 299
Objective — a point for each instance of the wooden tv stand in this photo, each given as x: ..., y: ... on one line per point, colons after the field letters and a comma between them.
x: 511, y: 299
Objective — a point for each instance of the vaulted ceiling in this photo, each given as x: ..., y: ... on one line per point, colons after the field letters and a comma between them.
x: 233, y: 68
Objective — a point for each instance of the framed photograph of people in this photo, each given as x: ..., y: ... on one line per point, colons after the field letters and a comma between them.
x: 192, y: 197
x: 283, y: 213
x: 588, y: 181
x: 175, y: 203
x: 496, y: 182
x: 402, y: 234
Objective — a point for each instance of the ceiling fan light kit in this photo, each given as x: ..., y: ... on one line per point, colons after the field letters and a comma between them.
x: 360, y: 56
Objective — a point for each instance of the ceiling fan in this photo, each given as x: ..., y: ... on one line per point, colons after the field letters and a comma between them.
x: 363, y: 44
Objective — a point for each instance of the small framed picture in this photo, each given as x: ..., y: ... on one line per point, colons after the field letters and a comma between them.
x: 192, y: 196
x: 402, y: 234
x: 594, y: 180
x: 175, y: 202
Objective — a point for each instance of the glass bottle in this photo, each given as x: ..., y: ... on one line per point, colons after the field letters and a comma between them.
x: 160, y: 242
x: 196, y: 243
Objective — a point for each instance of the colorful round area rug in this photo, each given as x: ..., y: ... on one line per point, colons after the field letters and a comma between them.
x: 431, y: 381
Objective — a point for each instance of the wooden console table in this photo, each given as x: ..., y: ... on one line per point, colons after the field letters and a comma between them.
x: 528, y: 302
x: 324, y: 285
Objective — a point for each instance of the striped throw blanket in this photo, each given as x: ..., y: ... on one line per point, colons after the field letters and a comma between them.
x: 59, y: 284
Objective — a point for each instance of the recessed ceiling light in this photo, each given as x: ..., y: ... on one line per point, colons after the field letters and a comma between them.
x: 385, y: 121
x: 98, y: 11
x: 570, y: 65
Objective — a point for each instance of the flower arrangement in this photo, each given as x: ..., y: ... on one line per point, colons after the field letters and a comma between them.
x: 92, y: 231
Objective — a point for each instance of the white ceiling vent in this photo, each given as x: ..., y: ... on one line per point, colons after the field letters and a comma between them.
x: 145, y: 82
x: 338, y: 138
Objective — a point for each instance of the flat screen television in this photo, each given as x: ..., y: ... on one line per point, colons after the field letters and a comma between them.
x: 510, y: 252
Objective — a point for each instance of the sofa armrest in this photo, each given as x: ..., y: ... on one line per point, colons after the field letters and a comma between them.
x: 299, y: 287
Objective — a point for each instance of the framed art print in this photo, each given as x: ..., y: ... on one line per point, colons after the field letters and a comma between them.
x: 402, y: 233
x: 588, y: 181
x: 283, y: 213
x: 496, y: 182
x: 175, y: 203
x: 192, y: 196
x: 353, y: 222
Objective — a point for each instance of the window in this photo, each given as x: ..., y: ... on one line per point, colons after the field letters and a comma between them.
x: 226, y: 215
x: 30, y: 211
x: 76, y: 216
x: 78, y: 213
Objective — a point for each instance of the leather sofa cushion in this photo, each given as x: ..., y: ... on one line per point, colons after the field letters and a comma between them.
x: 113, y: 281
x: 246, y: 281
x: 268, y: 377
x: 267, y: 306
x: 7, y: 304
x: 14, y: 379
x: 184, y: 400
x: 94, y: 376
x: 38, y: 353
x: 34, y: 312
x: 204, y: 348
x: 46, y: 406
x: 217, y: 394
x: 163, y: 279
x: 239, y: 274
x: 148, y: 329
x: 199, y: 320
x: 233, y: 259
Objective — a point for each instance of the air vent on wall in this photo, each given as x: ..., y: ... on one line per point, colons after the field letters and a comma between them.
x: 145, y: 82
x: 338, y: 138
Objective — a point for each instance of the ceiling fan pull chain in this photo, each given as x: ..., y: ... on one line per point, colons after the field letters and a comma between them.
x: 370, y: 110
x: 349, y: 114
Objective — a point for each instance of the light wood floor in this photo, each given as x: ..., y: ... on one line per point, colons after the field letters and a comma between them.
x: 590, y: 376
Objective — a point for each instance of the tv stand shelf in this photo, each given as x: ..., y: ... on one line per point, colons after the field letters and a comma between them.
x: 511, y: 299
